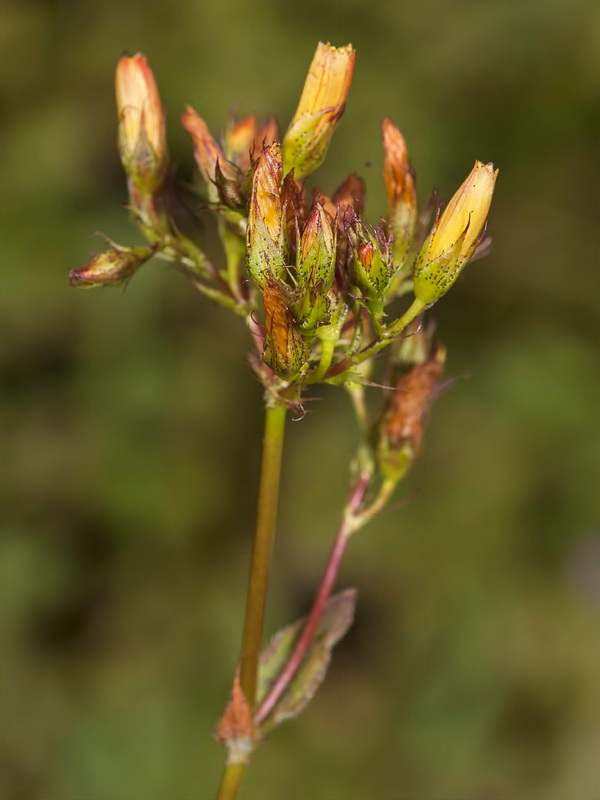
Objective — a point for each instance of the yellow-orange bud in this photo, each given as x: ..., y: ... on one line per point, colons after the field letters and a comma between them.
x: 267, y: 247
x: 400, y: 189
x: 142, y: 138
x: 321, y: 105
x: 285, y: 349
x: 455, y: 236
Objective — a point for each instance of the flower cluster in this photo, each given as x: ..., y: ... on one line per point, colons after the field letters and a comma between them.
x: 319, y: 286
x: 323, y: 293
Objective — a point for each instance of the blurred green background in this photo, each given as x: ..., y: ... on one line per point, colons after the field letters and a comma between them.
x: 131, y: 423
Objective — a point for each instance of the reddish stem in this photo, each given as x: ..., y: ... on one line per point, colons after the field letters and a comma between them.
x: 333, y: 564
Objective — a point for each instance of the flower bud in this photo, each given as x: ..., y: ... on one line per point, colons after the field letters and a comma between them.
x: 142, y: 138
x: 311, y: 309
x: 316, y: 258
x: 455, y: 235
x: 400, y: 431
x: 315, y: 268
x: 267, y: 250
x: 400, y: 189
x: 285, y: 349
x: 321, y: 105
x: 293, y: 202
x: 350, y: 194
x: 370, y: 263
x: 244, y: 139
x: 222, y: 178
x: 111, y: 267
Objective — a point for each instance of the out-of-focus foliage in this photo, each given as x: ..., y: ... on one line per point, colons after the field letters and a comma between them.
x: 131, y: 423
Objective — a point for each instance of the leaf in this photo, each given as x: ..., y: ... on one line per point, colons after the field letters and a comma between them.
x: 336, y: 619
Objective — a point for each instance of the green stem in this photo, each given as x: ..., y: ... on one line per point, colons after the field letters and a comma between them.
x: 360, y: 519
x: 392, y: 332
x: 235, y: 249
x: 327, y: 350
x: 268, y: 494
x: 230, y: 782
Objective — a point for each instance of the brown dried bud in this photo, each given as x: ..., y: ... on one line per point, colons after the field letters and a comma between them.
x: 111, y: 267
x: 400, y: 431
x: 222, y: 178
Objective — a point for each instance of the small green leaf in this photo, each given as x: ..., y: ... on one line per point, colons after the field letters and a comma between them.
x: 336, y: 619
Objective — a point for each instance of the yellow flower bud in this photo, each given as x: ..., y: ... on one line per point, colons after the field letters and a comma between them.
x: 455, y: 235
x: 142, y: 138
x: 267, y: 246
x: 400, y: 189
x: 321, y: 105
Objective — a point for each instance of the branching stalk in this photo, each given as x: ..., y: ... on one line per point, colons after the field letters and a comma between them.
x: 325, y: 589
x: 392, y: 332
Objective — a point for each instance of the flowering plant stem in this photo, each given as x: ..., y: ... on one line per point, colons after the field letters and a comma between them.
x: 268, y: 494
x: 231, y: 781
x: 260, y: 564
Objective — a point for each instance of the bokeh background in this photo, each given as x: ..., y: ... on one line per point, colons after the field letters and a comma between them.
x: 131, y: 424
